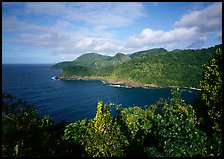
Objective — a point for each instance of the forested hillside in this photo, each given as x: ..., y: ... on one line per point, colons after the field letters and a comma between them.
x: 156, y: 67
x: 94, y: 60
x: 168, y: 128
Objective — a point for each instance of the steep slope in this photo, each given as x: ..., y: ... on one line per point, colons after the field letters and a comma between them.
x: 61, y: 65
x: 119, y: 58
x: 156, y: 51
x: 157, y: 67
x: 94, y: 60
x: 178, y: 68
x: 90, y: 60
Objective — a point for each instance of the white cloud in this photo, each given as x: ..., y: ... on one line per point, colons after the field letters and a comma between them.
x: 191, y: 31
x: 207, y: 20
x: 102, y: 14
x: 69, y: 43
x: 12, y: 24
x: 196, y: 44
x: 67, y: 37
x: 64, y: 37
x: 55, y: 8
x: 151, y: 37
x: 83, y: 43
x: 108, y: 46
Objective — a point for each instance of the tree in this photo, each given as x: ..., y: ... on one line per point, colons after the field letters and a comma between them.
x: 174, y: 127
x: 100, y: 137
x: 24, y: 132
x: 211, y: 93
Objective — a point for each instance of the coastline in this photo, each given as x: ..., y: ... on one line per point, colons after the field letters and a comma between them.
x: 121, y: 83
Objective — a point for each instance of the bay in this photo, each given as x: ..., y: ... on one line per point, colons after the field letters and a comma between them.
x: 71, y: 100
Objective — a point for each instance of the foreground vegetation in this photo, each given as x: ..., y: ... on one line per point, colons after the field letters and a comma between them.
x: 168, y: 128
x: 156, y: 67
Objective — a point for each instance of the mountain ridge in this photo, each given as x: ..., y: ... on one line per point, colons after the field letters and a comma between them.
x: 152, y: 68
x: 118, y: 56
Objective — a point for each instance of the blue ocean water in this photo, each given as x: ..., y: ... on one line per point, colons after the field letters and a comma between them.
x: 73, y: 100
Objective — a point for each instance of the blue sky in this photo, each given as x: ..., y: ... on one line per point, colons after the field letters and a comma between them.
x: 41, y: 32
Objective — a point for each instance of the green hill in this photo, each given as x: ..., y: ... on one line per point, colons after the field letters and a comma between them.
x: 61, y: 65
x: 94, y: 60
x: 178, y: 68
x: 119, y: 58
x: 155, y: 51
x: 90, y: 60
x: 155, y: 67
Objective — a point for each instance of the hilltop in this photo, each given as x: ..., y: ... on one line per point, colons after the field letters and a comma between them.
x: 150, y: 68
x: 95, y: 60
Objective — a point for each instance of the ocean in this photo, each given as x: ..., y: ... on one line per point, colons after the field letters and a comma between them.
x: 71, y: 100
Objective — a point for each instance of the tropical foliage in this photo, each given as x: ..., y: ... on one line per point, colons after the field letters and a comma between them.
x: 100, y: 137
x: 24, y: 133
x: 157, y: 67
x: 211, y: 93
x: 168, y: 128
x: 94, y: 60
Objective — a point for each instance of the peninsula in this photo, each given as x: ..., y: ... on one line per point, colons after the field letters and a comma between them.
x: 151, y: 68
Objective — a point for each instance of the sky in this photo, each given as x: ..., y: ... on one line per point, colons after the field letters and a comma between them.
x: 51, y: 32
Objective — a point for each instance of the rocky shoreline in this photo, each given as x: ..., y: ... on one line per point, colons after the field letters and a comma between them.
x: 111, y: 82
x: 120, y: 83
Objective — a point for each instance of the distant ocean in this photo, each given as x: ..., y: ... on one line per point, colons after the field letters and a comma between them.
x: 74, y: 100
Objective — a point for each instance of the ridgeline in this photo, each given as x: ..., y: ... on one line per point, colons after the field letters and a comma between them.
x: 151, y: 68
